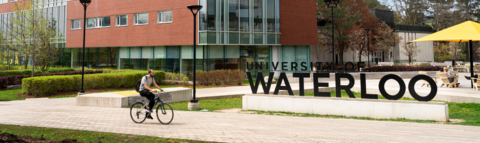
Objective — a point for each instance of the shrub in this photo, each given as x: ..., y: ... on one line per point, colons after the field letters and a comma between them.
x: 12, y: 67
x: 54, y: 70
x: 185, y: 81
x: 17, y: 79
x: 446, y: 58
x: 18, y: 72
x: 400, y: 68
x: 48, y: 85
x: 29, y: 71
x: 239, y: 77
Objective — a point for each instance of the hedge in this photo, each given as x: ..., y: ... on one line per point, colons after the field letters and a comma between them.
x: 49, y: 85
x: 401, y: 68
x: 219, y: 77
x: 29, y: 71
x: 17, y: 79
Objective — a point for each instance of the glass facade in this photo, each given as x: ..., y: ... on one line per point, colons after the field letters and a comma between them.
x: 179, y: 59
x: 239, y: 22
x: 55, y: 10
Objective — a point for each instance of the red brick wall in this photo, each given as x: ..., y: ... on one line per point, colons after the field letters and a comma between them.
x: 8, y: 7
x: 298, y: 22
x: 180, y: 32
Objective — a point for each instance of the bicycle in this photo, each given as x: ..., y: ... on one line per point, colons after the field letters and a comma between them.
x: 138, y: 110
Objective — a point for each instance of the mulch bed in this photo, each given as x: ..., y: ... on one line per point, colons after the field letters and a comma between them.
x: 11, y: 138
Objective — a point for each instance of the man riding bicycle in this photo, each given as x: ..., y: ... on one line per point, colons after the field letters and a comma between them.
x: 147, y: 92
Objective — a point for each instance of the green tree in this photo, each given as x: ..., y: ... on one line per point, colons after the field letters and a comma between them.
x: 375, y: 4
x: 47, y: 35
x: 347, y: 15
x: 33, y: 33
x: 412, y: 12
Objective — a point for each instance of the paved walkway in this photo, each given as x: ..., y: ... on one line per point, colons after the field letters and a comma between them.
x: 228, y: 127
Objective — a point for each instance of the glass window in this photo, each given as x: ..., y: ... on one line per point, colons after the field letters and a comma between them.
x: 173, y: 59
x: 202, y: 37
x: 221, y: 14
x: 140, y: 19
x: 258, y: 38
x: 232, y: 57
x: 105, y: 21
x: 278, y: 38
x: 233, y: 38
x: 62, y: 21
x: 302, y: 56
x: 76, y: 24
x: 165, y: 16
x: 91, y: 22
x: 98, y: 22
x: 202, y: 21
x: 233, y: 15
x: 215, y: 57
x: 211, y: 5
x: 271, y: 39
x: 277, y: 15
x: 187, y: 59
x: 244, y: 15
x: 288, y: 55
x: 244, y: 38
x: 211, y: 37
x: 270, y: 15
x: 121, y: 20
x: 258, y: 15
x: 263, y: 56
x: 160, y: 58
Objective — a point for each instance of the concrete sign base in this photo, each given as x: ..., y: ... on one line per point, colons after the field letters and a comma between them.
x: 378, y: 109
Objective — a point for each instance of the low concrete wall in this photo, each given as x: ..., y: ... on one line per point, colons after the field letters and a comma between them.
x: 177, y: 95
x: 378, y: 109
x: 102, y: 100
x: 119, y: 101
x: 368, y: 75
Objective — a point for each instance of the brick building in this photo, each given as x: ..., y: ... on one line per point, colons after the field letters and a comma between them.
x: 158, y: 34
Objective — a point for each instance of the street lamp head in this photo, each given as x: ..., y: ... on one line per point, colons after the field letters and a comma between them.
x: 333, y: 2
x: 367, y: 29
x: 85, y: 2
x: 194, y: 8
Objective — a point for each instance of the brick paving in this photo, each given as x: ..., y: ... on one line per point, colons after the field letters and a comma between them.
x: 228, y: 127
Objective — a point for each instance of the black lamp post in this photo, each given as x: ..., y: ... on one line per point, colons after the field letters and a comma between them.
x: 368, y: 45
x: 334, y: 4
x: 194, y: 9
x: 85, y: 4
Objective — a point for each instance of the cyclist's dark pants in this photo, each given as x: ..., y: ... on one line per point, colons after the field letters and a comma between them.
x: 150, y: 96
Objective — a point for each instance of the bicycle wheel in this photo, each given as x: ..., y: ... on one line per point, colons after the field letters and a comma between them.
x: 138, y: 113
x: 165, y: 116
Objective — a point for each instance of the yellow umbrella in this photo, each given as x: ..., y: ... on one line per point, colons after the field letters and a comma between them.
x: 464, y: 32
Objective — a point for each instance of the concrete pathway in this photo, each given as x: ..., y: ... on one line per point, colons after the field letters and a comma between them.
x: 228, y: 127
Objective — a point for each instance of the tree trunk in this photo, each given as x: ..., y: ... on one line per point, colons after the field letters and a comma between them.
x: 33, y: 67
x: 360, y: 56
x: 340, y: 53
x: 8, y: 59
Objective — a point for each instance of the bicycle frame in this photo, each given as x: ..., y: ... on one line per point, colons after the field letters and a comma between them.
x: 158, y: 102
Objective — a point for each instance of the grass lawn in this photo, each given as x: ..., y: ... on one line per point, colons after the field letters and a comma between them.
x: 9, y: 95
x: 211, y: 104
x: 470, y: 112
x: 54, y: 134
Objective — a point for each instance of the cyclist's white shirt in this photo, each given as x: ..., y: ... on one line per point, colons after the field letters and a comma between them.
x: 145, y: 81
